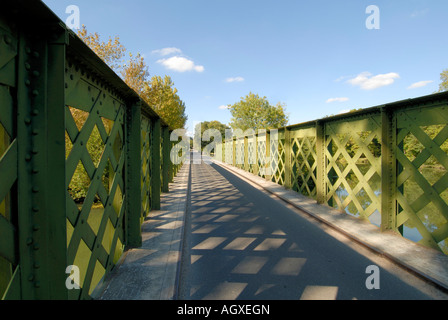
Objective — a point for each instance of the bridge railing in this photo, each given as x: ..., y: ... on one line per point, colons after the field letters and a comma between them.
x: 82, y: 160
x: 386, y: 164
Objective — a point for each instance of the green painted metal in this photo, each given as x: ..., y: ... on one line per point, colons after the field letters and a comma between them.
x: 80, y: 159
x: 146, y: 165
x: 83, y: 160
x: 9, y: 257
x: 388, y: 170
x: 386, y: 164
x: 133, y: 176
x: 99, y: 127
x: 166, y: 144
x: 156, y: 181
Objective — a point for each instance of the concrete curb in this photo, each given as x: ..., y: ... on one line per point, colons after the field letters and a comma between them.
x: 426, y: 263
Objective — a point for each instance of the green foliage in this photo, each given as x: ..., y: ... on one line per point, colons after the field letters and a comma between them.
x: 111, y: 52
x: 203, y: 126
x: 255, y: 112
x: 443, y: 86
x: 80, y: 183
x: 412, y: 146
x: 159, y: 93
x: 162, y: 96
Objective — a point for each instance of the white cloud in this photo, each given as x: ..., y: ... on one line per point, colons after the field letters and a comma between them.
x: 367, y: 81
x: 235, y: 79
x: 420, y: 84
x: 223, y: 107
x: 337, y: 100
x: 167, y: 51
x: 180, y: 64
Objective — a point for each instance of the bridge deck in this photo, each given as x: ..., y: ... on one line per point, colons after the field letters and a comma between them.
x: 242, y: 242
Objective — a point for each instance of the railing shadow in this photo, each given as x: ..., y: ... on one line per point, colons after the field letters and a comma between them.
x: 244, y: 245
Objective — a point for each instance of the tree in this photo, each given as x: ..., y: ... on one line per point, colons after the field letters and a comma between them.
x: 135, y: 73
x: 206, y: 125
x: 111, y: 52
x: 443, y: 86
x: 254, y: 112
x: 159, y: 93
x: 162, y: 96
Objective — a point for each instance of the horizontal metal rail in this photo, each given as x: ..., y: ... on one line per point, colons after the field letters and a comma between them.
x: 386, y: 164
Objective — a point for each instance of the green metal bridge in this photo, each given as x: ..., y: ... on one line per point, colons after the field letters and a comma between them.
x: 83, y: 161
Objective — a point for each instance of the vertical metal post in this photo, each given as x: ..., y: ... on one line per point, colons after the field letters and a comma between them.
x: 166, y: 159
x: 288, y: 168
x: 320, y: 153
x: 234, y: 151
x: 133, y: 175
x: 268, y: 164
x: 246, y: 153
x: 155, y: 164
x: 256, y: 167
x: 55, y: 161
x: 41, y: 164
x: 173, y: 167
x: 388, y: 170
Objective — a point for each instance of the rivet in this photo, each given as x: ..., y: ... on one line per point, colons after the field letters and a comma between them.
x: 35, y: 189
x: 35, y: 112
x: 35, y: 170
x: 36, y: 227
x: 36, y: 54
x: 36, y: 265
x: 31, y: 277
x: 35, y: 208
x: 27, y: 82
x: 36, y: 247
x: 35, y: 132
x: 35, y: 93
x: 27, y: 66
x: 36, y: 73
x: 29, y: 241
x: 28, y: 157
x: 27, y: 120
x: 37, y: 284
x: 27, y: 50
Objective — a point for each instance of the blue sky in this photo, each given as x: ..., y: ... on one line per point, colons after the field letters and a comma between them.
x: 318, y: 57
